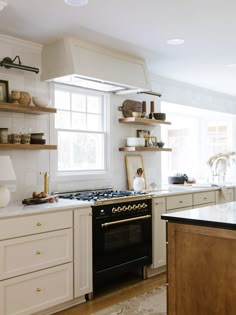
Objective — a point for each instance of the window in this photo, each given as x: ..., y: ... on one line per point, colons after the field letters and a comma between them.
x: 195, y: 135
x: 82, y: 130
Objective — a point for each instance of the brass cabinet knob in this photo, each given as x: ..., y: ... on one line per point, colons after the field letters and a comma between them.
x: 38, y: 252
x: 38, y: 290
x: 39, y: 224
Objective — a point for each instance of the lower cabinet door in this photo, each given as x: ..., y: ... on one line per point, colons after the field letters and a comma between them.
x: 25, y: 295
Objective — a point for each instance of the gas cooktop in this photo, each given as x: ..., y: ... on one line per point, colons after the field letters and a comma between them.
x: 99, y: 195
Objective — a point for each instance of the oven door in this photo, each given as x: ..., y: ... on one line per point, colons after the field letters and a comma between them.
x: 125, y: 240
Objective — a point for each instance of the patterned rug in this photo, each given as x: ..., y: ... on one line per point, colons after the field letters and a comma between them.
x: 149, y: 303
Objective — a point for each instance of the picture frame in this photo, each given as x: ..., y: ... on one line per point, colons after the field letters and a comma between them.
x: 143, y: 133
x: 4, y: 91
x: 133, y: 162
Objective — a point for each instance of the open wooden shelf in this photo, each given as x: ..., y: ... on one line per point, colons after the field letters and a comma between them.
x: 16, y: 108
x: 143, y: 121
x: 10, y: 146
x: 153, y: 149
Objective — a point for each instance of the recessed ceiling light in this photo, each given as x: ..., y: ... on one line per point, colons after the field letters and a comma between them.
x: 2, y: 5
x: 78, y: 3
x: 175, y: 41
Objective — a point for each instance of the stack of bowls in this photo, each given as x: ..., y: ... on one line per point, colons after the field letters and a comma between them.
x: 159, y: 116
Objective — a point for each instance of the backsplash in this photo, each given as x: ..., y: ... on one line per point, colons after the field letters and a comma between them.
x: 28, y: 164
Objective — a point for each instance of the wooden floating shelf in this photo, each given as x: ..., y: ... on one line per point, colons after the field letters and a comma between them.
x: 10, y: 146
x: 153, y: 149
x: 143, y: 121
x: 16, y: 108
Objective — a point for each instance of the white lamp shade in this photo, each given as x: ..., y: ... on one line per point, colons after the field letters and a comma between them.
x: 76, y: 2
x: 6, y: 169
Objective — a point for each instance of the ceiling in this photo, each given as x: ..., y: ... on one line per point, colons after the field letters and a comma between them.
x: 141, y: 28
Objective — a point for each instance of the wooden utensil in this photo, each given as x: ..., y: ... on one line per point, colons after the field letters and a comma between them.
x: 129, y: 106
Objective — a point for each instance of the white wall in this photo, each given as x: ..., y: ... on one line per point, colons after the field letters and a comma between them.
x: 28, y: 164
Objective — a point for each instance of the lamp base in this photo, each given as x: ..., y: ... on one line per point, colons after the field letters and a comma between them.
x: 5, y: 196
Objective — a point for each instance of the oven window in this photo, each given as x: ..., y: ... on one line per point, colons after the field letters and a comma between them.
x: 123, y: 236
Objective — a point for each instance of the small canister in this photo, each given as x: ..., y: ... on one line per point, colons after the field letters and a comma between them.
x: 3, y: 135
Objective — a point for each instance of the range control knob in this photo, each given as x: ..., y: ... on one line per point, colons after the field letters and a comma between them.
x: 139, y: 206
x: 129, y: 207
x: 125, y: 208
x: 113, y: 210
x: 135, y: 207
x: 119, y: 209
x: 144, y: 205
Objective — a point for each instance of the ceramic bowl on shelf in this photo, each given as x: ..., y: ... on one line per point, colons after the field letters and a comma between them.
x: 159, y: 116
x: 160, y: 144
x: 135, y: 142
x: 40, y: 102
x: 136, y: 114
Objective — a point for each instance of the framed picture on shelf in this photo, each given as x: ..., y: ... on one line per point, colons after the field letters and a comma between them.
x: 133, y: 162
x: 143, y: 133
x: 3, y: 91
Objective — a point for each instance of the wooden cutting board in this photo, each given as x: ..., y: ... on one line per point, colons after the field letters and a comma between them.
x: 36, y: 201
x: 129, y: 106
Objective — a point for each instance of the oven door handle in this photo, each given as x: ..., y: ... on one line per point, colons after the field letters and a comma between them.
x: 144, y: 217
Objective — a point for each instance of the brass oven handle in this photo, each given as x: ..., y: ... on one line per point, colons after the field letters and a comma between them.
x: 126, y: 220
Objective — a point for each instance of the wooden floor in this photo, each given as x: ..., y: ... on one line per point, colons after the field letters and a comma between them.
x: 124, y: 290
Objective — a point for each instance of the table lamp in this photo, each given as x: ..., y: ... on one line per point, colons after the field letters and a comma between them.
x: 6, y: 174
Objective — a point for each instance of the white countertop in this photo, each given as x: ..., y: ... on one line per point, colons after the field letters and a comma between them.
x: 18, y: 209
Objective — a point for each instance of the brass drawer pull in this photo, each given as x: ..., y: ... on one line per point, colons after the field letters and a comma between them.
x: 38, y: 252
x: 38, y: 290
x: 39, y: 224
x: 180, y: 201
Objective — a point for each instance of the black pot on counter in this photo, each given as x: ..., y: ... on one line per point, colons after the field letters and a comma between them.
x: 178, y: 179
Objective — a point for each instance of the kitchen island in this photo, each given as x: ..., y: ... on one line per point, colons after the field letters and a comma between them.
x: 201, y: 268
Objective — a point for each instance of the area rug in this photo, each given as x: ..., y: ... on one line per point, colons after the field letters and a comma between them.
x: 149, y: 303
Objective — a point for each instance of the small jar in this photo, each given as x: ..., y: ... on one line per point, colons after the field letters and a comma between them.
x: 25, y: 138
x: 3, y: 135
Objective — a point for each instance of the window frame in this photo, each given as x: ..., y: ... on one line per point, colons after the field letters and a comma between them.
x: 62, y: 176
x: 203, y: 145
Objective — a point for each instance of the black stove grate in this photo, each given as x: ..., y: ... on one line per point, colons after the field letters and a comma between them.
x: 99, y: 195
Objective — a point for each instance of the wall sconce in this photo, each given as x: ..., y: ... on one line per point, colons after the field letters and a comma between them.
x: 7, y: 62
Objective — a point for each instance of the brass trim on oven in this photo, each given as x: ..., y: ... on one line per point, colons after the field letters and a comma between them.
x: 144, y: 217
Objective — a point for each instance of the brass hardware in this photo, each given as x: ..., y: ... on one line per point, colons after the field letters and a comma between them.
x: 144, y: 217
x: 113, y: 210
x: 205, y: 198
x: 39, y: 224
x: 46, y: 182
x: 38, y: 252
x: 136, y: 207
x: 180, y: 201
x: 129, y: 207
x: 144, y: 205
x: 126, y: 208
x: 38, y: 290
x: 119, y: 209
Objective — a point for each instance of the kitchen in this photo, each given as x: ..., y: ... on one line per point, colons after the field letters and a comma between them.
x: 28, y: 164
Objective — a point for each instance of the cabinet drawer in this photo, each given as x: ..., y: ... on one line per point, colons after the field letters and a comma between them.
x: 204, y: 197
x: 32, y: 224
x: 34, y: 292
x: 32, y: 253
x: 179, y: 201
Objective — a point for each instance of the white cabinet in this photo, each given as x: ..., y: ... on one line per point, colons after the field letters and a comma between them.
x: 36, y: 269
x: 203, y: 199
x: 158, y: 233
x: 82, y: 251
x: 179, y: 202
x: 225, y: 195
x: 33, y: 292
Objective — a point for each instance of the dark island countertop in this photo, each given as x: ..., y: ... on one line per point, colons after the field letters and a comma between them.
x: 219, y: 216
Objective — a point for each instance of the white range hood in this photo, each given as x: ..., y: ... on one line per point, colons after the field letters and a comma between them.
x: 74, y: 62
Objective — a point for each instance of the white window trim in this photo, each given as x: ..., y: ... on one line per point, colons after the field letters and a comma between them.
x: 57, y: 176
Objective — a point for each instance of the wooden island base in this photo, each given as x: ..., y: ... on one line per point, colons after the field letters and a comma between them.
x: 201, y: 270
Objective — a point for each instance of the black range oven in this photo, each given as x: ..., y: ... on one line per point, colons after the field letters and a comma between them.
x: 122, y: 231
x: 122, y: 236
